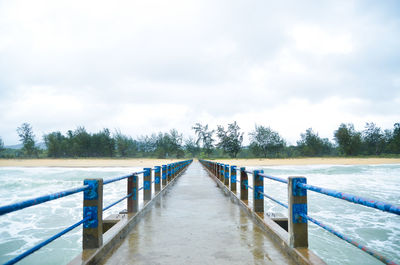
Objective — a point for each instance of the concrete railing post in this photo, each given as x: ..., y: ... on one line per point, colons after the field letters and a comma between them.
x: 244, y: 196
x: 164, y: 175
x: 157, y: 182
x: 92, y: 235
x: 258, y: 182
x: 221, y: 173
x: 133, y: 201
x: 298, y: 228
x: 226, y: 175
x: 233, y: 178
x: 169, y: 172
x: 147, y: 184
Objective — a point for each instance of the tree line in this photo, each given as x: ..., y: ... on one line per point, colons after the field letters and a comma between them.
x: 209, y: 143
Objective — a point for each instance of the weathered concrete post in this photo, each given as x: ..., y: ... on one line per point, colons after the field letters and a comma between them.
x: 214, y: 168
x: 226, y: 175
x: 169, y: 172
x: 298, y: 228
x: 133, y: 201
x: 147, y: 184
x: 92, y: 235
x: 244, y: 196
x: 164, y: 175
x: 258, y: 182
x: 233, y: 179
x: 221, y: 173
x: 157, y: 184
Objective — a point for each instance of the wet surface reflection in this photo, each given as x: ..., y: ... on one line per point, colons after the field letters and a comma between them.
x: 196, y: 223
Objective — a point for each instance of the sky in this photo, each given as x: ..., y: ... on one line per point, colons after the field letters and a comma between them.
x: 147, y: 66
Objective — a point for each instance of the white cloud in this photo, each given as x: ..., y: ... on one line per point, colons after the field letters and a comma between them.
x: 316, y: 40
x: 151, y: 66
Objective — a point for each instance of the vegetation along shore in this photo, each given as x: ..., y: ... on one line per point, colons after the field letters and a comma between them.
x: 138, y: 162
x: 221, y: 142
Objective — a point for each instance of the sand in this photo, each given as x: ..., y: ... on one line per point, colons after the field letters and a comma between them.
x: 83, y: 162
x: 311, y: 161
x: 144, y: 162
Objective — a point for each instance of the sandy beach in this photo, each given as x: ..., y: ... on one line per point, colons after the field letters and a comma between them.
x: 311, y: 161
x: 83, y: 162
x: 143, y: 162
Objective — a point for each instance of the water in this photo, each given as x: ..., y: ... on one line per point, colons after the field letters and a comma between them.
x: 375, y: 229
x: 23, y: 229
x: 380, y: 231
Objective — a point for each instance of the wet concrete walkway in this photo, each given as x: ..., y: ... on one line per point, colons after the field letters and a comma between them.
x: 196, y: 223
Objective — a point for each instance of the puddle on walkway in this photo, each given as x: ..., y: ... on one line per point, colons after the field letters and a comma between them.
x: 196, y: 223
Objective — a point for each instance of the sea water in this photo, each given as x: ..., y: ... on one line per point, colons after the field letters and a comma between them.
x: 373, y: 228
x: 25, y: 228
x: 380, y: 231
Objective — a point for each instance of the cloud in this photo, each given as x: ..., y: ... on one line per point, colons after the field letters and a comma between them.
x: 150, y: 66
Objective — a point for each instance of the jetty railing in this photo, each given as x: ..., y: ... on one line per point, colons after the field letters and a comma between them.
x: 297, y: 202
x: 92, y: 236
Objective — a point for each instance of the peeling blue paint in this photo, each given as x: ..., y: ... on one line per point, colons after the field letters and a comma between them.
x: 91, y: 212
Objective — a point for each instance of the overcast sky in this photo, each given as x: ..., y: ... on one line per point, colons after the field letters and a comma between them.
x: 149, y: 66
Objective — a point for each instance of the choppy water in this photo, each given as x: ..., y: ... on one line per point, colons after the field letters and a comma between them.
x: 375, y: 229
x: 380, y: 231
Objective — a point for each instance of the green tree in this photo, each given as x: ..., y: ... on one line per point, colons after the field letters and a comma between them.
x: 147, y: 145
x: 266, y: 142
x: 373, y: 138
x: 348, y: 139
x: 394, y: 140
x: 27, y: 138
x: 191, y: 147
x: 311, y: 144
x: 230, y: 140
x: 1, y: 145
x: 204, y: 137
x: 169, y: 144
x: 125, y: 145
x: 102, y: 144
x: 56, y: 144
x: 81, y: 145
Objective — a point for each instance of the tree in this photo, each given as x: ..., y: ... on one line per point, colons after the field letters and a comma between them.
x: 80, y: 140
x: 394, y: 140
x: 125, y: 146
x: 169, y: 144
x: 27, y: 138
x: 312, y: 145
x: 1, y: 145
x: 230, y: 140
x: 102, y: 144
x: 348, y: 140
x: 373, y: 138
x: 204, y: 136
x: 192, y: 147
x: 56, y: 144
x: 264, y: 141
x: 147, y: 145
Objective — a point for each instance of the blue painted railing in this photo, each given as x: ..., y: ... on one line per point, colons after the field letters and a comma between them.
x: 299, y: 211
x: 174, y: 168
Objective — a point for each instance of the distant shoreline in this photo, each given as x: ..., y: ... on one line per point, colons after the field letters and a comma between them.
x: 147, y: 162
x: 311, y: 161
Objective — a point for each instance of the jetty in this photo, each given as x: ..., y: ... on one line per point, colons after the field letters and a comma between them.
x: 196, y: 213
